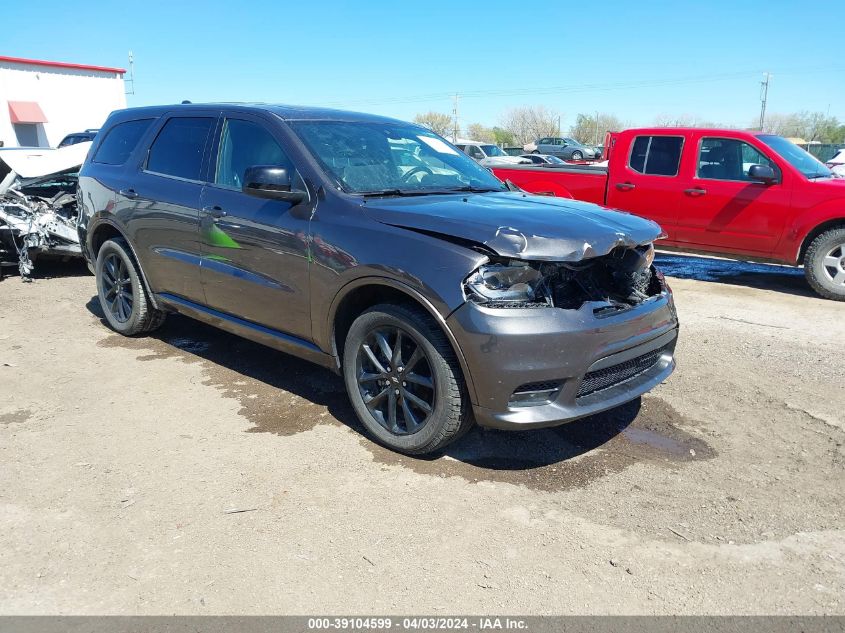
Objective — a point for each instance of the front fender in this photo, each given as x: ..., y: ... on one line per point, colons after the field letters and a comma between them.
x: 791, y: 243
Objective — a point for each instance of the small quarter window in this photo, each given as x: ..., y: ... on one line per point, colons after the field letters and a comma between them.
x: 121, y: 141
x: 179, y: 146
x: 656, y: 155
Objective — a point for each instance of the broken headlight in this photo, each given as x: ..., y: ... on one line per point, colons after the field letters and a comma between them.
x: 510, y: 283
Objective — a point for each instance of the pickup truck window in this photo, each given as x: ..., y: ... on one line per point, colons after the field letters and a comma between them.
x: 728, y: 159
x: 243, y: 145
x: 370, y: 158
x: 121, y: 141
x: 803, y: 161
x: 179, y: 146
x: 656, y: 155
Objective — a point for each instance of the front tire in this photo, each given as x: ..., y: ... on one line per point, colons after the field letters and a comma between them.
x: 404, y: 380
x: 576, y: 155
x: 824, y: 264
x: 123, y: 297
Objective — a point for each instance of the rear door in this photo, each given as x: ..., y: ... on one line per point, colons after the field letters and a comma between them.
x: 162, y: 200
x: 722, y: 207
x: 647, y: 181
x: 254, y: 250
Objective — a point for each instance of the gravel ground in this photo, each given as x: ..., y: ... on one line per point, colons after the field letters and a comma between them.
x: 197, y: 473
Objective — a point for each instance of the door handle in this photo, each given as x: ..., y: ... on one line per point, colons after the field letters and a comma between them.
x: 214, y: 211
x: 625, y: 186
x: 695, y: 192
x: 128, y: 193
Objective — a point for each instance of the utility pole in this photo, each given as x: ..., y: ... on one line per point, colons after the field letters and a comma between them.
x: 764, y: 95
x: 558, y: 125
x: 130, y: 89
x: 596, y: 142
x: 455, y: 118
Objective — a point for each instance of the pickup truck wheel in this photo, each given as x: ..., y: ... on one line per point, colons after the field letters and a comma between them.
x: 824, y: 264
x: 576, y: 155
x: 404, y: 380
x: 123, y: 297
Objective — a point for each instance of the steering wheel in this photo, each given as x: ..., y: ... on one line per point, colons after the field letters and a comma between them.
x: 414, y: 170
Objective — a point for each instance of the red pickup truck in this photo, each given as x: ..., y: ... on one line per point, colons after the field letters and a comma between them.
x: 745, y: 195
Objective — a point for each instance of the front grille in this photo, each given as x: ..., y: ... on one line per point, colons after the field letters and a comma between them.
x: 613, y: 375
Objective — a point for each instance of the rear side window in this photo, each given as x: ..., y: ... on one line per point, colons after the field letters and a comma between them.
x: 656, y: 155
x: 179, y: 146
x: 120, y: 141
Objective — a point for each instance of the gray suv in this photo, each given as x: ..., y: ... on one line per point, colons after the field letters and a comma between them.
x: 376, y: 248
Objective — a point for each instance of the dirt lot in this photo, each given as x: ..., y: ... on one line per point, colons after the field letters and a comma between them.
x: 121, y: 460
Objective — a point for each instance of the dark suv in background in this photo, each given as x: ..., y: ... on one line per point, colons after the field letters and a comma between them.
x: 376, y: 248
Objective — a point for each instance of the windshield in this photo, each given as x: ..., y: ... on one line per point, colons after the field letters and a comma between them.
x: 391, y: 158
x: 492, y: 150
x: 803, y: 161
x: 554, y: 160
x: 572, y: 141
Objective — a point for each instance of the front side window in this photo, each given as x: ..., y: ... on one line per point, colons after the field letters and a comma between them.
x: 656, y: 155
x: 179, y: 147
x: 475, y: 152
x: 728, y: 159
x: 120, y: 141
x: 245, y: 144
x: 384, y: 158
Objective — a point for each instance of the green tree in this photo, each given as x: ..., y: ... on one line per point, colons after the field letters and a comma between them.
x: 591, y: 129
x: 478, y: 132
x: 437, y: 122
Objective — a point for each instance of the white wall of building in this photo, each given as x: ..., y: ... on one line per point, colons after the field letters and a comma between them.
x: 72, y: 99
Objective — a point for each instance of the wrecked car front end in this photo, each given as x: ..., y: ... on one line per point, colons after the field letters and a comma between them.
x: 38, y: 210
x: 566, y: 317
x: 564, y: 341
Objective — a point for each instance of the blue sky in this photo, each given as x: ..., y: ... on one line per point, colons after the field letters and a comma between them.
x: 634, y: 60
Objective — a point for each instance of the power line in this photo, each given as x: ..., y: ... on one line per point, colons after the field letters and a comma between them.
x: 575, y: 88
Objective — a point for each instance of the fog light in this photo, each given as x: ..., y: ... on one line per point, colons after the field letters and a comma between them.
x: 534, y: 393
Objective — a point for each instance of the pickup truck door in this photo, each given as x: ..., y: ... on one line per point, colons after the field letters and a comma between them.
x: 254, y: 250
x: 722, y: 208
x: 646, y: 182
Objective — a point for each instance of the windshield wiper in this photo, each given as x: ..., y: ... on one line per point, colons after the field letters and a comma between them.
x: 391, y: 192
x: 471, y: 189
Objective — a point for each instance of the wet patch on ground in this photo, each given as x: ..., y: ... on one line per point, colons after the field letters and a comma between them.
x: 283, y: 395
x: 571, y: 455
x: 764, y: 276
x: 15, y: 417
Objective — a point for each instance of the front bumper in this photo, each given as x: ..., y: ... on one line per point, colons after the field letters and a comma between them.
x: 506, y: 349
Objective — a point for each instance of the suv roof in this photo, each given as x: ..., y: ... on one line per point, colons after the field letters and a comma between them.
x: 286, y: 112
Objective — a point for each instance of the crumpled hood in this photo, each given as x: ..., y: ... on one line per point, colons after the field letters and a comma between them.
x: 519, y: 226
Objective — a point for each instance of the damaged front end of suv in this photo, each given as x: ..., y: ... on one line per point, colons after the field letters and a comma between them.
x: 616, y: 281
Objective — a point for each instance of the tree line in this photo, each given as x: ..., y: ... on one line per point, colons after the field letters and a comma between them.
x: 522, y: 125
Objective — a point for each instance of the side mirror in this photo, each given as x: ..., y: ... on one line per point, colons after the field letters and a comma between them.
x: 762, y: 173
x: 271, y: 182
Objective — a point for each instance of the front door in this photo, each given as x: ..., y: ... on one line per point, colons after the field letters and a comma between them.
x: 648, y: 183
x: 723, y: 208
x: 254, y: 250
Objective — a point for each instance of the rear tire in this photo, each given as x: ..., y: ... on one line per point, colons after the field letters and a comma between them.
x: 824, y: 264
x: 123, y: 297
x: 412, y: 400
